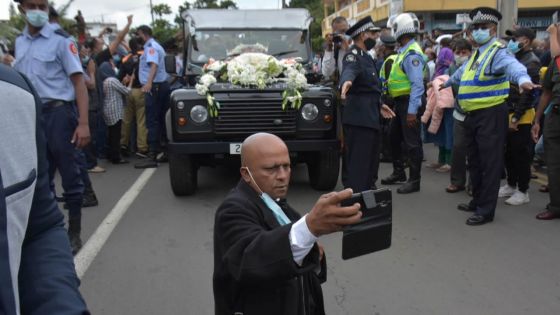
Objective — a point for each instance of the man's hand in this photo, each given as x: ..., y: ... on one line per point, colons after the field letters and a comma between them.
x: 81, y: 136
x: 327, y: 216
x: 329, y: 42
x: 528, y: 86
x: 513, y: 126
x: 387, y: 112
x: 321, y: 252
x: 147, y: 88
x: 8, y: 60
x: 552, y: 29
x: 129, y: 19
x: 345, y: 88
x: 411, y: 120
x: 535, y: 131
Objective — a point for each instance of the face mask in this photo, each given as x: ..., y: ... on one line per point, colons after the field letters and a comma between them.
x: 117, y: 58
x: 37, y: 18
x: 460, y: 60
x: 481, y: 36
x: 514, y: 47
x: 271, y: 204
x: 85, y: 60
x: 117, y: 72
x: 369, y: 43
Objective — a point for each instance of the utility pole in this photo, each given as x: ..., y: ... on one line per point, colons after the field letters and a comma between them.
x: 152, y: 11
x: 509, y: 9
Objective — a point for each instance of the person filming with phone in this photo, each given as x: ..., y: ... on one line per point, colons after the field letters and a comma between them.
x: 266, y: 256
x: 337, y: 44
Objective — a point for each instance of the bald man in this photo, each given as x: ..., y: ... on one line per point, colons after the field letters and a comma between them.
x: 266, y: 256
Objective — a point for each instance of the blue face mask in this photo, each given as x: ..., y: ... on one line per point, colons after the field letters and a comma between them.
x: 271, y: 204
x: 37, y: 18
x: 117, y: 58
x: 85, y: 60
x: 481, y: 36
x: 513, y: 46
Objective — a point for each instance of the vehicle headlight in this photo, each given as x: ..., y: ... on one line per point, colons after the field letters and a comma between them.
x: 199, y: 114
x: 180, y: 105
x: 309, y: 112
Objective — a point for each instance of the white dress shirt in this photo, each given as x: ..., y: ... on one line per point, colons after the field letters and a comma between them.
x: 301, y: 240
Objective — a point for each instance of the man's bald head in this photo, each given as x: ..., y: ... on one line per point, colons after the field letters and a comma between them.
x: 265, y: 164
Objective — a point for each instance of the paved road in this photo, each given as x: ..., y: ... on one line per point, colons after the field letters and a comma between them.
x: 159, y: 261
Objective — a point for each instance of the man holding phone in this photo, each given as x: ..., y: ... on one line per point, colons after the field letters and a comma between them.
x: 266, y: 256
x: 337, y: 44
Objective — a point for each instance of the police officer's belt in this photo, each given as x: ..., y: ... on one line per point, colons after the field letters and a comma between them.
x: 55, y: 103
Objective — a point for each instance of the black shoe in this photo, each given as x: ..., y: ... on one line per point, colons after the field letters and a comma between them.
x: 477, y: 219
x: 394, y: 178
x: 465, y: 207
x: 142, y: 154
x: 90, y: 200
x: 409, y: 187
x: 162, y: 158
x: 59, y: 198
x: 121, y: 161
x: 75, y: 242
x: 147, y: 163
x: 125, y: 151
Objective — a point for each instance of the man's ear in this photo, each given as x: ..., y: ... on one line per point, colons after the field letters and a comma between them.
x: 245, y: 174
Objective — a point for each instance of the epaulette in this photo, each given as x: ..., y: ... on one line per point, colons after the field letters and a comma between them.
x: 62, y: 33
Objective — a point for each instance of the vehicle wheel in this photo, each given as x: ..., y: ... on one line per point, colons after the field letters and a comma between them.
x: 323, y: 168
x: 183, y: 174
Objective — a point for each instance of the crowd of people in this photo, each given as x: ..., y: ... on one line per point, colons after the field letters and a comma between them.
x: 475, y: 94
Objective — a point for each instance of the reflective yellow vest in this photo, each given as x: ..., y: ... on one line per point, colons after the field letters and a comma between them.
x: 476, y: 90
x: 398, y: 83
x: 383, y: 75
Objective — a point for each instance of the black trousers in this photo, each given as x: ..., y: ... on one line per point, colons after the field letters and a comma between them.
x: 518, y: 157
x: 552, y: 151
x: 115, y: 141
x: 485, y: 137
x: 361, y: 154
x: 410, y: 136
x: 458, y: 172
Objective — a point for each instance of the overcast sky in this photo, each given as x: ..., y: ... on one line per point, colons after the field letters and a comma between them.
x: 117, y: 10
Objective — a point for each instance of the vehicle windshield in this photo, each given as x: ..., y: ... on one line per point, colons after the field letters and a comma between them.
x: 223, y: 44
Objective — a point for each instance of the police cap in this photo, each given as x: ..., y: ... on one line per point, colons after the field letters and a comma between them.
x: 388, y: 40
x: 483, y: 15
x: 363, y: 25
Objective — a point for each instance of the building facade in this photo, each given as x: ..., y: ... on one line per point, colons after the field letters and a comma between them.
x: 536, y: 14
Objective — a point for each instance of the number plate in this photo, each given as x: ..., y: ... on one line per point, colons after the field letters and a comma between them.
x: 235, y: 148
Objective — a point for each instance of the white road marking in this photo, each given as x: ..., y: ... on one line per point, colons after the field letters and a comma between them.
x: 91, y: 248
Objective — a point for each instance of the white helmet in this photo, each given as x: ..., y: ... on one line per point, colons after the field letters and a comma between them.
x: 404, y: 23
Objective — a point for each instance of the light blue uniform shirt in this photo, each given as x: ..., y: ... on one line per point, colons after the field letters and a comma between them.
x: 504, y: 63
x: 48, y: 60
x: 413, y: 66
x: 153, y: 53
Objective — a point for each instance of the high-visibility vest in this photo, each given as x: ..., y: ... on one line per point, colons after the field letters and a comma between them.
x: 398, y: 83
x: 476, y: 90
x: 383, y: 75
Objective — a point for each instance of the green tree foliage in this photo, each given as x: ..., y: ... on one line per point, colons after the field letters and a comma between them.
x: 315, y: 7
x: 215, y: 4
x: 163, y: 29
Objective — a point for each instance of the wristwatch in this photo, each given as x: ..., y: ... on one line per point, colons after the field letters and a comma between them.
x: 514, y: 120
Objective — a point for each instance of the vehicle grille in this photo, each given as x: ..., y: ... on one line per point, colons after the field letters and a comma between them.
x: 245, y: 117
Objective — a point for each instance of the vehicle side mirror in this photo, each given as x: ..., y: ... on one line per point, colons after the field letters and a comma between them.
x: 170, y: 64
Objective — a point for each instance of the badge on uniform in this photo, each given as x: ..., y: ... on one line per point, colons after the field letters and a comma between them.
x: 152, y: 51
x: 350, y: 58
x: 73, y: 49
x: 415, y: 62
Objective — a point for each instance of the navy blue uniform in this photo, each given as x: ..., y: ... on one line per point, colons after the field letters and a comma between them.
x: 361, y: 119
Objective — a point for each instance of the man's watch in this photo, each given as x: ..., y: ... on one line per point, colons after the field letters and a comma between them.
x: 514, y: 120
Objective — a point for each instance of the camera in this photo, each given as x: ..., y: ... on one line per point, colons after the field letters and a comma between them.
x: 337, y: 38
x: 109, y: 30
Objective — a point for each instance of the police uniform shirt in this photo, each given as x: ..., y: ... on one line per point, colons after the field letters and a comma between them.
x: 413, y: 66
x: 503, y: 63
x: 153, y: 53
x: 48, y: 60
x: 551, y: 81
x: 362, y: 103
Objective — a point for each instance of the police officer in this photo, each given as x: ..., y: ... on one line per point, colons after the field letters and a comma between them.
x: 49, y: 58
x: 483, y: 90
x: 361, y: 120
x: 389, y: 54
x: 405, y: 86
x: 156, y: 88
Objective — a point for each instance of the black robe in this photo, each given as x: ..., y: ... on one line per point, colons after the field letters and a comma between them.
x: 254, y: 269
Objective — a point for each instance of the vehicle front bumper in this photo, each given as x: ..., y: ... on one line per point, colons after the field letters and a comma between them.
x: 224, y: 147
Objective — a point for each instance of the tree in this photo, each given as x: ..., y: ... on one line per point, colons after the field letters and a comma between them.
x: 163, y: 30
x: 161, y: 9
x: 182, y: 8
x: 315, y: 7
x: 214, y: 4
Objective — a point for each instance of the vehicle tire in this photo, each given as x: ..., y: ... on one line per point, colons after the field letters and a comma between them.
x: 183, y: 174
x: 323, y: 168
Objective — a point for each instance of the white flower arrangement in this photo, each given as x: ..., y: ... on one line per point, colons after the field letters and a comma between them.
x: 254, y: 70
